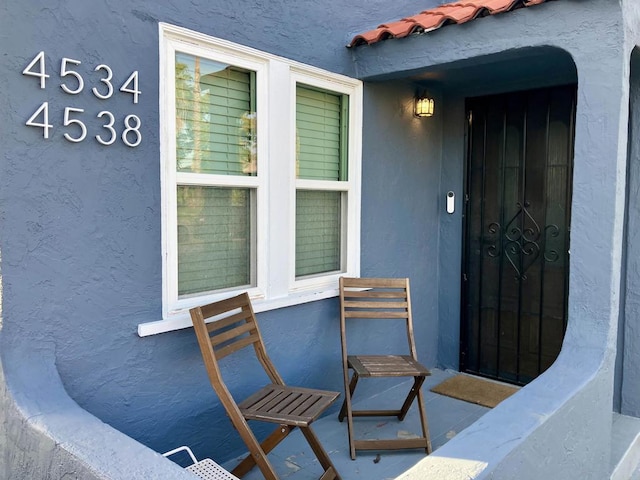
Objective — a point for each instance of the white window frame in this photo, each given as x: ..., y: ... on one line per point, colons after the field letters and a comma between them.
x: 349, y: 237
x: 275, y: 184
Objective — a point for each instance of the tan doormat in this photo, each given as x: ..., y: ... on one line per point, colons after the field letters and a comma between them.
x: 475, y: 390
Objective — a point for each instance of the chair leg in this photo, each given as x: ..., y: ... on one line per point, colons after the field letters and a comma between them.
x: 424, y: 421
x: 415, y: 394
x: 330, y: 470
x: 417, y: 383
x: 352, y: 387
x: 347, y: 409
x: 258, y: 453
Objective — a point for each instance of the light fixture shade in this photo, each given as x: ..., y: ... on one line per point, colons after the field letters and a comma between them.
x: 423, y: 107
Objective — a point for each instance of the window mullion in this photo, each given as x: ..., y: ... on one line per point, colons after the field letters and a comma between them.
x: 168, y: 180
x: 281, y: 179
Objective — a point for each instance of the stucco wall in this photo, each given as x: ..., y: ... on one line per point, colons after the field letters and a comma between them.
x: 44, y: 434
x: 80, y: 226
x: 559, y: 425
x: 80, y: 223
x: 629, y: 378
x: 400, y: 190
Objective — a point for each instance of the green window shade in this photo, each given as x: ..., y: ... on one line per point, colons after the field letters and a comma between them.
x: 215, y: 117
x: 318, y: 232
x: 215, y: 230
x: 320, y: 125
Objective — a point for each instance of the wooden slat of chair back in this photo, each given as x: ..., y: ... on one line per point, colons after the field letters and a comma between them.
x: 353, y: 282
x: 377, y: 298
x: 381, y: 298
x: 234, y: 329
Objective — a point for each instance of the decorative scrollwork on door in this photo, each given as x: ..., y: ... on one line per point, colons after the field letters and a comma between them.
x: 521, y: 246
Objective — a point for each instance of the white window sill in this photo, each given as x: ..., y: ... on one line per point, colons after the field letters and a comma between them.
x: 182, y: 319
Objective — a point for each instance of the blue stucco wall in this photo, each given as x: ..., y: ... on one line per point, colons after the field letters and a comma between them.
x: 629, y: 335
x: 400, y: 190
x: 554, y: 427
x: 80, y: 223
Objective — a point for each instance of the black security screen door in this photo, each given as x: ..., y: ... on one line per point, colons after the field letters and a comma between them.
x: 516, y: 245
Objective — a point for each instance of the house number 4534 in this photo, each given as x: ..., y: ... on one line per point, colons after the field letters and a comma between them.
x: 73, y: 84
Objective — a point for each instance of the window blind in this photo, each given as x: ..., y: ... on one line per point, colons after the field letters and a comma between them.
x: 215, y: 134
x: 215, y: 117
x: 319, y: 124
x: 318, y: 228
x: 214, y: 238
x: 320, y: 117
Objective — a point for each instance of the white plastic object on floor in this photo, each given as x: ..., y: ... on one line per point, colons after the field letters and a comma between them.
x: 206, y: 469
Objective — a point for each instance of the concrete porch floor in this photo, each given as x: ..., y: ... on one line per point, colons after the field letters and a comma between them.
x: 293, y: 459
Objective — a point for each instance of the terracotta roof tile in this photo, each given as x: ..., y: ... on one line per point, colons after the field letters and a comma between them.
x: 432, y: 19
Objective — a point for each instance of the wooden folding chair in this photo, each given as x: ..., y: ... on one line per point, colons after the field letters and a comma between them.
x: 233, y: 329
x: 384, y: 299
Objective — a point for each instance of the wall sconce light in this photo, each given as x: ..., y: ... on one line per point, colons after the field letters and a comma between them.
x: 423, y: 106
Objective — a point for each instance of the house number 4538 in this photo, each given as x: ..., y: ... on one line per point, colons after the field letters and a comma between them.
x: 73, y: 85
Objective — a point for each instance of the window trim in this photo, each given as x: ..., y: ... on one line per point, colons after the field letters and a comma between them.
x: 276, y: 285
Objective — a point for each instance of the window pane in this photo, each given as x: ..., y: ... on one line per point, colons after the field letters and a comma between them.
x: 215, y: 236
x: 215, y: 117
x: 318, y: 232
x: 320, y: 136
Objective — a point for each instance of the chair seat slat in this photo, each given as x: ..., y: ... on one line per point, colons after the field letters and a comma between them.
x: 386, y: 365
x: 315, y: 408
x: 263, y: 397
x: 279, y: 403
x: 288, y: 405
x: 305, y: 405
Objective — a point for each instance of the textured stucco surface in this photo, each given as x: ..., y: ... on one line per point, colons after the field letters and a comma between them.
x: 558, y: 426
x: 630, y: 329
x: 46, y: 435
x: 628, y: 378
x: 80, y: 231
x: 80, y: 223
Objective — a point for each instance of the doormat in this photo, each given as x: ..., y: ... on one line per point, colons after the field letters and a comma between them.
x: 475, y: 390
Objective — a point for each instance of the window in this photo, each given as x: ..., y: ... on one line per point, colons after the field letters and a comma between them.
x: 260, y: 176
x: 215, y: 136
x: 321, y: 171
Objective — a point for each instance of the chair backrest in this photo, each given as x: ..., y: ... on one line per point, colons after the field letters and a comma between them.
x: 376, y: 298
x: 233, y: 328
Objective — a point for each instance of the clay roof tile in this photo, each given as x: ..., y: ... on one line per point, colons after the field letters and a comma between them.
x: 434, y: 18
